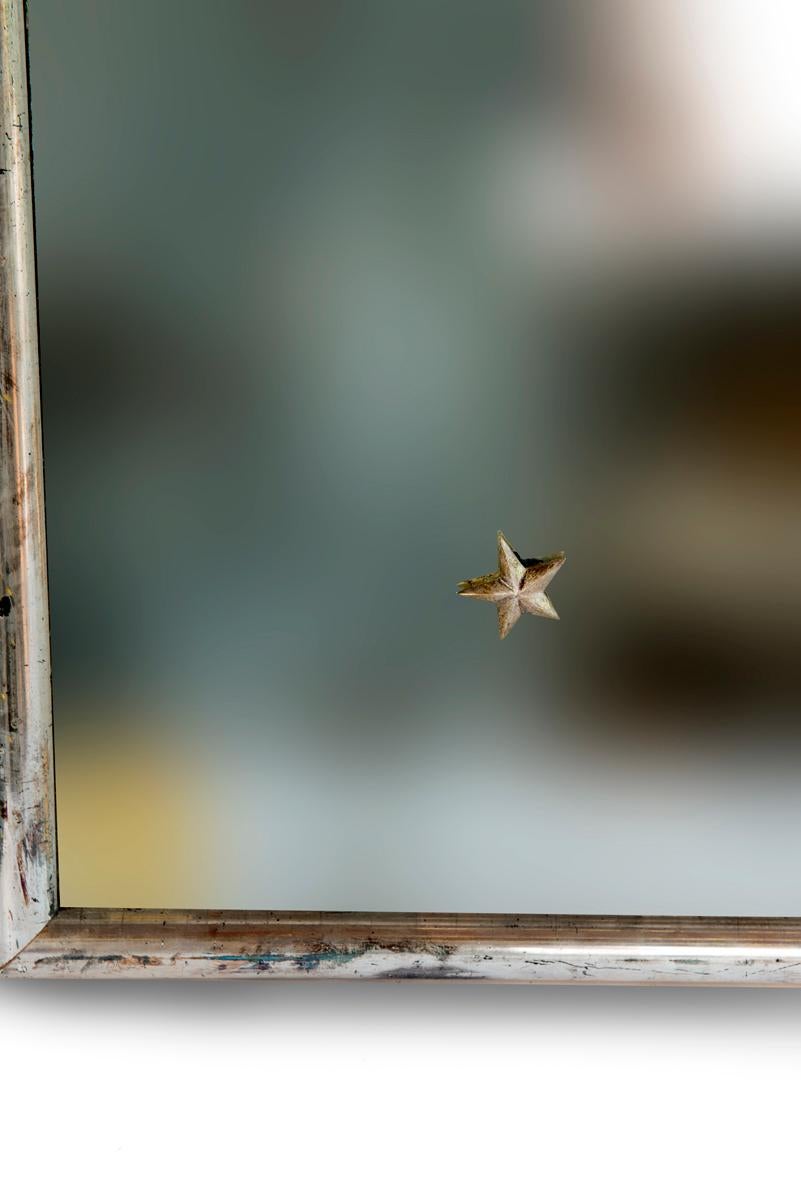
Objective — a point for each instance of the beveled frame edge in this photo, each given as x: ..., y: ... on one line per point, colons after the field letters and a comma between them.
x: 28, y: 876
x: 172, y: 944
x: 40, y: 940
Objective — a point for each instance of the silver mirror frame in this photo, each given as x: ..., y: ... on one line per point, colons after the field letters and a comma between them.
x: 39, y: 939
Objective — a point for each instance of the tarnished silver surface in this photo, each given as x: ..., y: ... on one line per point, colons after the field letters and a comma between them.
x: 27, y: 826
x: 153, y: 944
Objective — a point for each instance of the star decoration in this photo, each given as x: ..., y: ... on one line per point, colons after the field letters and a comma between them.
x: 517, y: 587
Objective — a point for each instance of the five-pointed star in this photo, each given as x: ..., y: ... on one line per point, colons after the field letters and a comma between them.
x: 517, y: 586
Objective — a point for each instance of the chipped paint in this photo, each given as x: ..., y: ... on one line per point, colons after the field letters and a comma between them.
x: 27, y: 837
x: 310, y: 960
x: 141, y: 944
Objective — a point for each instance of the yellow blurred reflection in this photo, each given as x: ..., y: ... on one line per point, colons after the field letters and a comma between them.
x: 126, y: 835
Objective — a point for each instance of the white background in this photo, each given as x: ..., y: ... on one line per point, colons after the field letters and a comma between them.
x: 413, y: 1090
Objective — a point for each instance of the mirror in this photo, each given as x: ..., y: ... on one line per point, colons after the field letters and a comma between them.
x: 329, y: 293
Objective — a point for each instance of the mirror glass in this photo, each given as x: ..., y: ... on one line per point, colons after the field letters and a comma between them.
x: 329, y: 293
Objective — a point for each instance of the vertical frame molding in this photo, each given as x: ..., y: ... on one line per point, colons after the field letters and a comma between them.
x: 28, y: 882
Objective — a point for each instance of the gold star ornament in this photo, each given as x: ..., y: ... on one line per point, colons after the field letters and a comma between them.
x: 517, y: 587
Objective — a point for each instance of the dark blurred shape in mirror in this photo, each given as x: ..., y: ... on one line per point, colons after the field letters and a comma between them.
x: 329, y: 293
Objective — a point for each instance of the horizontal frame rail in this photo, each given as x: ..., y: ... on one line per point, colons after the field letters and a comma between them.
x: 84, y: 943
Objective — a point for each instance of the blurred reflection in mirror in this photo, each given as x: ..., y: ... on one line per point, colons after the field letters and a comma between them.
x: 329, y: 293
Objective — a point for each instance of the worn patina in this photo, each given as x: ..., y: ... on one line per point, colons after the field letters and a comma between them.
x: 27, y: 823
